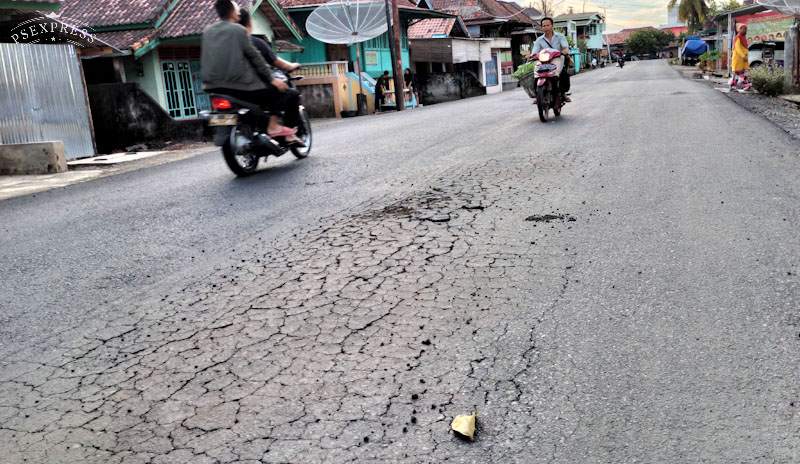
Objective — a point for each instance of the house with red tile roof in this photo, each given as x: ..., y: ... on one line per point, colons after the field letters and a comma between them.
x: 158, y: 44
x: 585, y: 30
x: 615, y: 42
x: 373, y: 54
x: 449, y: 63
x: 506, y: 24
x: 372, y: 57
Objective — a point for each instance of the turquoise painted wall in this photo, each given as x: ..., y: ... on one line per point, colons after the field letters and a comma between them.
x: 152, y: 80
x: 376, y: 56
x: 313, y: 52
x: 376, y: 49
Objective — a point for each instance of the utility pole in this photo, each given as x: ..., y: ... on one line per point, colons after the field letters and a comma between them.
x: 393, y: 20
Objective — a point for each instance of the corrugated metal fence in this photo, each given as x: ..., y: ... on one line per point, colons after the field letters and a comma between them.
x: 42, y: 97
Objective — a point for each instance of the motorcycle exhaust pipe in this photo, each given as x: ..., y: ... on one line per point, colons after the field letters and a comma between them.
x: 264, y: 142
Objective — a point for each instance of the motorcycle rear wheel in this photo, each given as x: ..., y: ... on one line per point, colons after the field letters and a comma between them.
x: 542, y: 103
x: 242, y: 164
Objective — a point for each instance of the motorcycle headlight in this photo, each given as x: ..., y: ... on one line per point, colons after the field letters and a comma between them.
x: 544, y: 56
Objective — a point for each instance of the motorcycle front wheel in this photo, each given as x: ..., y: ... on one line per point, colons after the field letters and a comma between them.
x: 237, y: 154
x: 542, y: 103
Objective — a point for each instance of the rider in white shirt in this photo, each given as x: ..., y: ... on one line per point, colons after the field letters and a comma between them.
x: 556, y: 41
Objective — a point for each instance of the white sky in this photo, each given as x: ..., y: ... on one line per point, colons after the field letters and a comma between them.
x: 621, y: 13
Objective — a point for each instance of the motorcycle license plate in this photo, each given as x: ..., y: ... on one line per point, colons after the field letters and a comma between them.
x: 222, y: 120
x: 547, y: 67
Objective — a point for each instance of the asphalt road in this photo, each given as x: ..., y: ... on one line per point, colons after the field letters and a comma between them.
x: 654, y: 319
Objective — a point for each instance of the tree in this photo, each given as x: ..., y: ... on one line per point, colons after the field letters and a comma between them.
x: 548, y: 7
x: 694, y: 12
x: 723, y: 6
x: 648, y: 41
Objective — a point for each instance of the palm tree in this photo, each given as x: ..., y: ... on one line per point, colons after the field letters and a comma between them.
x: 694, y: 12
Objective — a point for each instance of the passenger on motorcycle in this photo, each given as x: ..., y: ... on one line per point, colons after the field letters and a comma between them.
x: 231, y: 65
x: 556, y: 41
x: 288, y: 100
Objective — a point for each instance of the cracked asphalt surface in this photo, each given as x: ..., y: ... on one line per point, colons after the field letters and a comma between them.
x: 608, y: 288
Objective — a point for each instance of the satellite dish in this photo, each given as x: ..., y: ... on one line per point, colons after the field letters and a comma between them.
x: 787, y: 7
x: 347, y: 21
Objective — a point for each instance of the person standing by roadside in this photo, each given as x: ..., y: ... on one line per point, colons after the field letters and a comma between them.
x: 410, y: 81
x: 739, y: 59
x: 381, y: 87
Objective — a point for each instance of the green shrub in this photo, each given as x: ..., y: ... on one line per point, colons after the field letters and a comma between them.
x: 767, y: 81
x: 709, y: 56
x: 525, y: 68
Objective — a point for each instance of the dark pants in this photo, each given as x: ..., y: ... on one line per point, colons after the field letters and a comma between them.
x: 270, y: 99
x: 563, y: 79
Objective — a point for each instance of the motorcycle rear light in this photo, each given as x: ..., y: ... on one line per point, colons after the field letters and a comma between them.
x: 220, y: 104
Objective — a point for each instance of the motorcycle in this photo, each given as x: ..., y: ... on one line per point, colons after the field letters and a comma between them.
x: 240, y: 130
x: 543, y: 83
x: 621, y: 63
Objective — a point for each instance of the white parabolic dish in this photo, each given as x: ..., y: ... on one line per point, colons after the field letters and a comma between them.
x: 347, y: 21
x: 787, y: 7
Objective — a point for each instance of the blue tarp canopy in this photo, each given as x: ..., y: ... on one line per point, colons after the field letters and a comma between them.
x: 694, y: 46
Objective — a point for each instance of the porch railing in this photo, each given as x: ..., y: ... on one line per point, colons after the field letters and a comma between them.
x: 324, y: 69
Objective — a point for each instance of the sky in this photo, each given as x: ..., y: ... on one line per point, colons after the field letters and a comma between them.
x: 621, y: 13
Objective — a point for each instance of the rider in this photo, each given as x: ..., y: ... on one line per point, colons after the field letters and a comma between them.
x: 231, y: 65
x: 556, y: 41
x: 288, y: 100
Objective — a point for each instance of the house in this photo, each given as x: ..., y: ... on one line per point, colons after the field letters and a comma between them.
x: 764, y: 25
x: 449, y: 64
x: 330, y: 69
x: 615, y: 42
x: 586, y: 31
x: 498, y: 21
x: 533, y: 13
x: 146, y: 88
x: 160, y: 40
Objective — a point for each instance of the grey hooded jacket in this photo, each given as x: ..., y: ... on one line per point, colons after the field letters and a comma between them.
x: 229, y: 60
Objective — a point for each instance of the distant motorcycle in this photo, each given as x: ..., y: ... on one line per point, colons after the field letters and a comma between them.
x: 240, y: 129
x: 621, y: 63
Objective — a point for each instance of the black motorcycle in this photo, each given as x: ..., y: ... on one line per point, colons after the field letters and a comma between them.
x: 240, y: 129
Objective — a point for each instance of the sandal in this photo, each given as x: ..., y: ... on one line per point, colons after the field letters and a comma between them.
x: 295, y: 141
x: 282, y: 132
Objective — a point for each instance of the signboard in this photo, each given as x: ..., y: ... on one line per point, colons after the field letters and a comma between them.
x: 371, y: 58
x: 768, y: 29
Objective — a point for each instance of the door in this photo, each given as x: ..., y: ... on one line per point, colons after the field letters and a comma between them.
x: 491, y: 71
x: 179, y: 90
